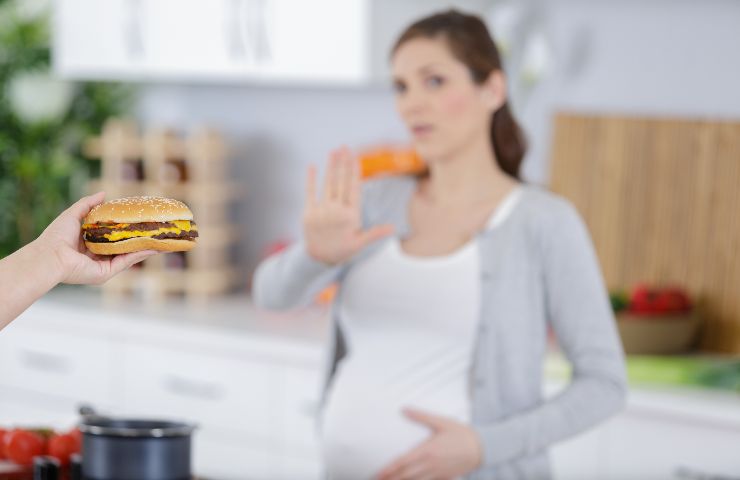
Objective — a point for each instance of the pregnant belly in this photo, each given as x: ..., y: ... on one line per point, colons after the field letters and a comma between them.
x: 359, y: 438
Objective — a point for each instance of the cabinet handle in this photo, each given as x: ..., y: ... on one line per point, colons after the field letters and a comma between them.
x: 688, y: 473
x: 263, y: 28
x: 233, y: 30
x: 248, y: 32
x: 45, y: 362
x: 192, y: 388
x: 242, y: 30
x: 132, y: 29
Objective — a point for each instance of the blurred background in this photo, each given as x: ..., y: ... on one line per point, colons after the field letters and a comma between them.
x: 630, y: 113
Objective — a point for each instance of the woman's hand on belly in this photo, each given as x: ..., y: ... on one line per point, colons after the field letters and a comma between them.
x: 453, y: 449
x: 332, y: 220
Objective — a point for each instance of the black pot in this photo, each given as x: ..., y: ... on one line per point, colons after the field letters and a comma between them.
x: 135, y: 449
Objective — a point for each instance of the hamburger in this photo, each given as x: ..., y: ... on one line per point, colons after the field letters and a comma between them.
x: 132, y: 224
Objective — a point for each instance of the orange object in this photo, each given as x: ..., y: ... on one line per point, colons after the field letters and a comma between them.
x: 326, y: 296
x: 390, y: 161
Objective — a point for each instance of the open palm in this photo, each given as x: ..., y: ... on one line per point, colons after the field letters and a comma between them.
x: 332, y: 222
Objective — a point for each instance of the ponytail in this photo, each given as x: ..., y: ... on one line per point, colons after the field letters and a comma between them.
x: 508, y: 141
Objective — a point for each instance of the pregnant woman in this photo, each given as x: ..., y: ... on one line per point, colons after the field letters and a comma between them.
x: 449, y: 284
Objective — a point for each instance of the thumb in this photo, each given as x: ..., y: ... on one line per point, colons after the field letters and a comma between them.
x: 375, y: 233
x: 83, y: 206
x: 435, y: 422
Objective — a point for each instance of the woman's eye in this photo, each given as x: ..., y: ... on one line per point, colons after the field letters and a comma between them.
x: 434, y: 81
x: 399, y: 87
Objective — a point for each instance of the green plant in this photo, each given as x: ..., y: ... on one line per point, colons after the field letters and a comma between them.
x: 43, y: 123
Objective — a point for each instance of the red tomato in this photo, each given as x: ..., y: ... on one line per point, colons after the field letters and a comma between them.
x: 77, y: 435
x: 21, y: 446
x: 62, y: 446
x: 2, y: 443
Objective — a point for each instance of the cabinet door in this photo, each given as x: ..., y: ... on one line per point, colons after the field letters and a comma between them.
x: 35, y: 411
x: 237, y: 40
x: 581, y: 457
x: 74, y: 368
x: 94, y: 39
x: 193, y: 39
x: 301, y: 390
x: 321, y: 40
x: 662, y: 446
x: 218, y: 393
x: 233, y: 458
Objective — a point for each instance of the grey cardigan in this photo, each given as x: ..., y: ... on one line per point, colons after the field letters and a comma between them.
x: 538, y: 270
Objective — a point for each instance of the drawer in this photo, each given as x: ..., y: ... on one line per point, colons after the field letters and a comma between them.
x: 215, y: 392
x: 38, y: 413
x: 303, y: 468
x: 62, y: 365
x: 665, y: 447
x: 301, y: 391
x: 233, y: 459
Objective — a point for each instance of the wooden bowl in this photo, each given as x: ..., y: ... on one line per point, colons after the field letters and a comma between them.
x: 658, y: 334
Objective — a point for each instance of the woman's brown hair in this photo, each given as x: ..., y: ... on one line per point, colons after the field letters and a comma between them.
x: 470, y: 43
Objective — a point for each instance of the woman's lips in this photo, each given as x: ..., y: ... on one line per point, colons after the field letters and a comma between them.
x: 421, y: 130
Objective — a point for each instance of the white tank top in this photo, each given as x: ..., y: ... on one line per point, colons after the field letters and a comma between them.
x: 409, y: 323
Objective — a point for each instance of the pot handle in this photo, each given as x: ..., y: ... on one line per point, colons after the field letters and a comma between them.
x: 88, y: 413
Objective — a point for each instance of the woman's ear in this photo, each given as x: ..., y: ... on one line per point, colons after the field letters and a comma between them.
x: 494, y: 90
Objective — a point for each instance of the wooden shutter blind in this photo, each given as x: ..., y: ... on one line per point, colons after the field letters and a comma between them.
x: 660, y: 198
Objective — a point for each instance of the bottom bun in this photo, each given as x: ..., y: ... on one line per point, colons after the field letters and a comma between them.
x: 138, y: 244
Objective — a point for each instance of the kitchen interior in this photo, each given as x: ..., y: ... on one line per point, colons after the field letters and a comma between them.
x: 629, y: 113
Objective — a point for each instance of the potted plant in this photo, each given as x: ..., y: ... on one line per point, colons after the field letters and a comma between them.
x: 43, y: 122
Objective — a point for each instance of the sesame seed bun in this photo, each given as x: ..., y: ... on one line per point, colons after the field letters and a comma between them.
x: 138, y: 210
x: 138, y: 244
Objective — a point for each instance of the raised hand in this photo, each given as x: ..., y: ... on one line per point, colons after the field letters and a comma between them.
x: 332, y: 221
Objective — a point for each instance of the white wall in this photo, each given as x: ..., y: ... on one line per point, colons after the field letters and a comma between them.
x: 657, y: 58
x: 273, y: 135
x: 661, y: 57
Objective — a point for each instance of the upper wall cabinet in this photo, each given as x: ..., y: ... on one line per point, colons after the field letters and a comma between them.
x: 283, y: 41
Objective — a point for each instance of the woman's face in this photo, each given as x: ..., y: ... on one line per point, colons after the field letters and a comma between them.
x: 443, y: 108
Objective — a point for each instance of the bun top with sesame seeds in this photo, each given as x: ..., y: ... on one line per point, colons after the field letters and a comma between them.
x: 138, y: 210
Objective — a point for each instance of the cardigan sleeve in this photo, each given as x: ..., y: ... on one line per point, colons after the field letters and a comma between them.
x: 581, y: 317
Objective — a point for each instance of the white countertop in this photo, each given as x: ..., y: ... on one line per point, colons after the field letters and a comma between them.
x: 226, y: 324
x: 233, y: 325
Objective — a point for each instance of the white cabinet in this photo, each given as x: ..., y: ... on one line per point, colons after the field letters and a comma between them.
x: 186, y: 37
x: 342, y: 42
x: 300, y: 407
x: 94, y: 39
x: 71, y: 367
x: 666, y: 447
x: 224, y: 394
x: 221, y: 40
x: 654, y: 440
x: 318, y: 40
x: 253, y: 395
x: 581, y: 457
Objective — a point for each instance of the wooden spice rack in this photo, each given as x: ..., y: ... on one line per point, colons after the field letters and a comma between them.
x: 191, y: 169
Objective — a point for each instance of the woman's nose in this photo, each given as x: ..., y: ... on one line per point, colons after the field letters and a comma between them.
x: 412, y: 102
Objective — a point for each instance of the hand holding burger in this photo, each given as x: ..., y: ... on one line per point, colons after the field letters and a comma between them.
x: 129, y: 230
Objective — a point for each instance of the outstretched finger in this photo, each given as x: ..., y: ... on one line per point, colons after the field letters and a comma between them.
x: 347, y: 172
x: 311, y: 186
x: 355, y: 194
x: 83, y: 206
x: 330, y: 177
